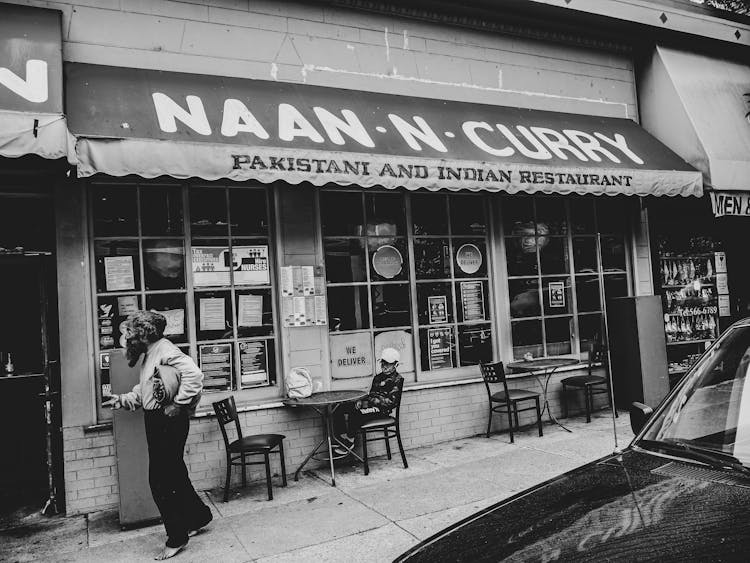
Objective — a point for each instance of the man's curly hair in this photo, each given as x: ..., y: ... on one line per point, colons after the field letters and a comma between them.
x: 145, y: 327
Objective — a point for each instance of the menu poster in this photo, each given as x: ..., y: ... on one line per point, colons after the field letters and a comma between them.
x: 437, y: 309
x: 118, y: 273
x: 725, y: 308
x: 250, y: 264
x: 321, y: 310
x: 287, y: 310
x: 253, y: 362
x: 216, y: 364
x: 175, y: 321
x: 210, y: 266
x: 308, y: 280
x: 212, y: 313
x: 439, y: 344
x: 297, y: 281
x: 299, y: 310
x: 472, y: 301
x: 287, y: 281
x: 249, y: 310
x: 127, y: 305
x: 722, y: 284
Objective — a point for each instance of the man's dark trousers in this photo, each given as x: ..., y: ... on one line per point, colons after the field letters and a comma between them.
x: 180, y: 507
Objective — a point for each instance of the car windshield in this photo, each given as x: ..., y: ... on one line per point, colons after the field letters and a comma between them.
x: 711, y: 410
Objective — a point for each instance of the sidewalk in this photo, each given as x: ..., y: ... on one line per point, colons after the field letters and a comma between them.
x: 365, y: 518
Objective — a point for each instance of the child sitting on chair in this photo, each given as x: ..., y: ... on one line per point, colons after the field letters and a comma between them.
x: 380, y: 401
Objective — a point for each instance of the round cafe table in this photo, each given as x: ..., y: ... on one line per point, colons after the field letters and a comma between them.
x: 325, y: 404
x: 544, y: 367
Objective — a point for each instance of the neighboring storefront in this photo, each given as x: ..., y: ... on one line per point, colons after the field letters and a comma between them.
x: 33, y: 147
x: 700, y: 244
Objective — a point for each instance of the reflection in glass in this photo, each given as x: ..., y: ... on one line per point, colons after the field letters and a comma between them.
x: 518, y: 215
x: 341, y: 213
x: 470, y: 258
x: 249, y: 212
x: 345, y: 260
x: 429, y: 214
x: 386, y: 215
x: 524, y: 298
x: 527, y: 339
x: 161, y: 211
x: 117, y: 266
x: 557, y: 294
x: 213, y: 315
x: 475, y: 344
x: 554, y: 256
x: 613, y: 253
x: 584, y: 254
x: 615, y: 285
x: 434, y: 303
x: 589, y: 330
x: 558, y: 335
x: 115, y: 212
x: 432, y: 258
x: 172, y: 306
x: 208, y: 212
x: 388, y: 259
x: 164, y: 264
x: 468, y: 215
x: 390, y: 305
x: 438, y: 348
x: 612, y: 213
x: 550, y: 212
x: 254, y: 310
x: 520, y: 255
x: 588, y: 294
x: 582, y: 215
x: 348, y: 308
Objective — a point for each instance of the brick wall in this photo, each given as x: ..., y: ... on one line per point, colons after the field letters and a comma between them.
x: 428, y: 416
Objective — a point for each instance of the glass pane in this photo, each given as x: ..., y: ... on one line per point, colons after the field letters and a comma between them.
x: 390, y: 305
x: 468, y: 215
x: 584, y: 254
x: 386, y: 215
x: 388, y: 259
x: 429, y: 214
x: 161, y: 210
x: 434, y: 303
x: 432, y: 258
x: 249, y: 212
x: 615, y: 285
x: 550, y: 216
x: 527, y: 339
x: 518, y: 215
x: 612, y: 214
x: 582, y: 216
x: 256, y: 363
x: 211, y: 263
x: 470, y: 258
x: 341, y: 213
x: 557, y: 294
x: 213, y: 315
x: 475, y: 344
x: 164, y: 264
x: 251, y: 262
x: 208, y: 212
x: 115, y: 212
x: 520, y: 254
x: 558, y: 332
x: 589, y: 331
x: 117, y: 267
x: 111, y: 313
x: 438, y: 348
x: 553, y: 256
x: 348, y: 308
x: 345, y: 260
x: 172, y: 306
x: 254, y: 312
x: 472, y: 299
x: 588, y: 294
x: 613, y: 253
x: 524, y: 298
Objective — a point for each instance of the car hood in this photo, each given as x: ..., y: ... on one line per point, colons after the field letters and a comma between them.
x: 635, y: 506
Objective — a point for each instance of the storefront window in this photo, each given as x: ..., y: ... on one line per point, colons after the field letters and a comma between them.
x: 200, y: 255
x: 565, y: 258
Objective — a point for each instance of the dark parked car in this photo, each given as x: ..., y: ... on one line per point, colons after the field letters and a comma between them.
x: 679, y: 492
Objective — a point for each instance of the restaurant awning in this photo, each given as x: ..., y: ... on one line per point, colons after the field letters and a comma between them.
x: 699, y: 106
x: 152, y: 123
x: 31, y: 103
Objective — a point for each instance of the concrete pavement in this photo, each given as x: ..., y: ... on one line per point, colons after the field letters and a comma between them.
x: 365, y: 518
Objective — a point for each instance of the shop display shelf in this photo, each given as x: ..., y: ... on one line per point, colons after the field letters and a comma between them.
x: 698, y: 341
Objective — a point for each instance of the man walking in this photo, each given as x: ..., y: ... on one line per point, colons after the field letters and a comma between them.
x: 167, y: 401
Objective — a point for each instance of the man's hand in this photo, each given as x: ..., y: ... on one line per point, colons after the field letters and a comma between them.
x: 172, y: 409
x: 112, y: 401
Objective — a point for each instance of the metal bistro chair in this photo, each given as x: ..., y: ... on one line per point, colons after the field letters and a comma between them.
x: 257, y: 444
x: 388, y: 425
x: 590, y: 384
x: 507, y: 400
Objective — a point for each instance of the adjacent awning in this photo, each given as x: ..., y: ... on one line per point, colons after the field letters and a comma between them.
x: 31, y: 103
x: 151, y: 123
x: 699, y: 106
